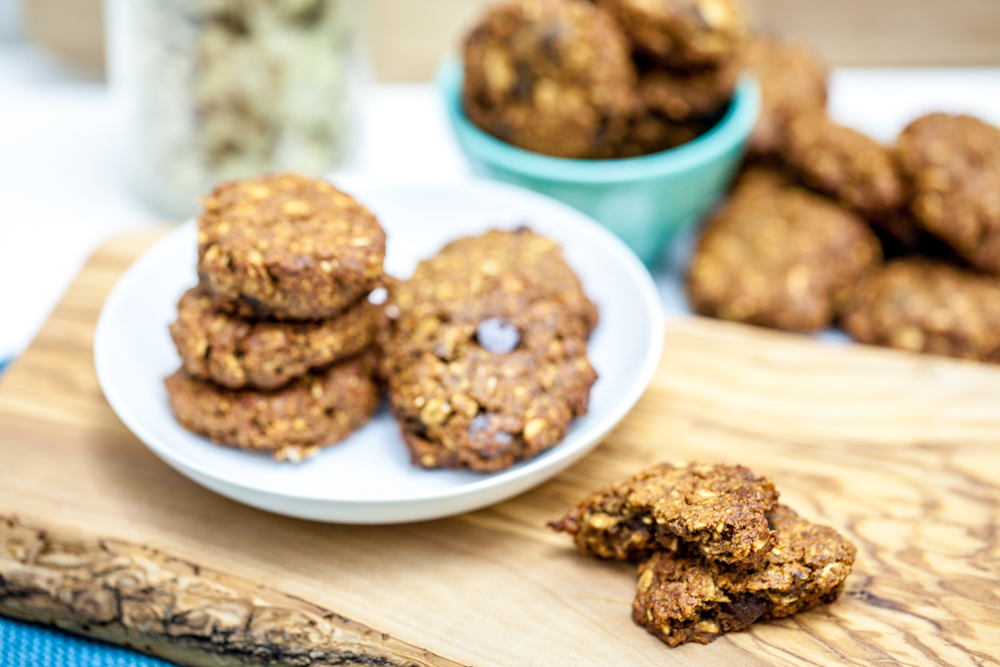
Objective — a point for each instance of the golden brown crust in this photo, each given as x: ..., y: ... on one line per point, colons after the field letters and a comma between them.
x: 927, y: 306
x: 683, y: 598
x: 550, y: 76
x: 287, y: 246
x: 778, y: 255
x: 315, y: 410
x: 715, y: 511
x: 265, y: 354
x: 953, y: 165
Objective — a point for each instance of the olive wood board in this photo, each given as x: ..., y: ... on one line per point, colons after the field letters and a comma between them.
x: 899, y: 452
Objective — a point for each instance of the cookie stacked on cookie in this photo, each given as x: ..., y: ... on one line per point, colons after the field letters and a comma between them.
x: 715, y: 549
x: 277, y: 339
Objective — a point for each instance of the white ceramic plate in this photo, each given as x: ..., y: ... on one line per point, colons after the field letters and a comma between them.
x: 368, y: 478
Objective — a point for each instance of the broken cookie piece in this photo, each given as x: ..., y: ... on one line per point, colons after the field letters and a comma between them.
x: 683, y: 598
x: 704, y: 511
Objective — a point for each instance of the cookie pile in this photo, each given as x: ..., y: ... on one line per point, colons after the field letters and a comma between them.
x: 277, y: 339
x: 604, y: 79
x: 715, y: 549
x: 485, y: 356
x: 898, y: 244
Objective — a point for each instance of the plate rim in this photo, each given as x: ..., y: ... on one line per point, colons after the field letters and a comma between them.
x: 478, y: 493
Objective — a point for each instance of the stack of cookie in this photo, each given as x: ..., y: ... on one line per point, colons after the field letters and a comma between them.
x: 715, y: 549
x: 485, y: 358
x: 277, y: 339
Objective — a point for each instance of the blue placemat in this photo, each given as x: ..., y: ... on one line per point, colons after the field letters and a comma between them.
x: 30, y: 645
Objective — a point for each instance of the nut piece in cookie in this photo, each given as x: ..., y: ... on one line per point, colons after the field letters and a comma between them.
x: 851, y: 167
x: 288, y: 247
x: 550, y: 76
x: 485, y: 360
x: 708, y: 511
x: 315, y: 410
x: 236, y: 352
x: 953, y: 165
x: 927, y: 306
x: 778, y: 255
x: 792, y: 79
x: 682, y: 598
x: 681, y: 32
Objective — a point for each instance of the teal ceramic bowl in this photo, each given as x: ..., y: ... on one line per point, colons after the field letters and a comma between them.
x: 645, y: 200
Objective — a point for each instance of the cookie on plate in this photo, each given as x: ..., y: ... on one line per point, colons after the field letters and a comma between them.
x: 486, y: 361
x: 953, y: 165
x: 778, y: 255
x: 924, y: 305
x: 550, y: 76
x: 236, y: 352
x: 316, y: 409
x: 706, y: 511
x: 288, y: 247
x: 682, y: 32
x: 682, y: 598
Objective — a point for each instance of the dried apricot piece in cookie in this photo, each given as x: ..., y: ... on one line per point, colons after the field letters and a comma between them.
x: 682, y: 598
x: 287, y: 246
x: 714, y: 511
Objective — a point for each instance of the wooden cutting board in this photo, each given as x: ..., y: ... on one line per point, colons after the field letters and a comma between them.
x: 899, y: 452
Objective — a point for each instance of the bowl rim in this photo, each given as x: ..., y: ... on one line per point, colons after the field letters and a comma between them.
x: 732, y: 129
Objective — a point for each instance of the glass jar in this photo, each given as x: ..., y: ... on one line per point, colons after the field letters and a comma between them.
x: 210, y: 90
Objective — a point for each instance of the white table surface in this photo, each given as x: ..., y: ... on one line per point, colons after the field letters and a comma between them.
x: 62, y: 194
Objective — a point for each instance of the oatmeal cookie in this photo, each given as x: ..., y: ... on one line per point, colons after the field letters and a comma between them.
x: 315, y: 410
x: 683, y: 598
x: 953, y: 165
x: 456, y: 273
x: 684, y: 95
x: 927, y: 306
x: 778, y: 255
x: 288, y: 247
x: 851, y: 167
x: 792, y: 79
x: 550, y: 76
x: 682, y: 32
x: 713, y: 511
x: 236, y: 352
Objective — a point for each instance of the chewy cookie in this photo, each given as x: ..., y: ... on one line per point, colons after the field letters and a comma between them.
x: 681, y: 32
x: 953, y: 165
x: 683, y: 598
x: 292, y: 423
x: 550, y: 76
x: 927, y: 306
x: 288, y: 247
x: 236, y: 352
x: 713, y: 511
x: 485, y: 362
x: 778, y: 255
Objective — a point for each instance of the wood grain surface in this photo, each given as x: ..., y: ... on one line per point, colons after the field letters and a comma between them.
x: 899, y: 452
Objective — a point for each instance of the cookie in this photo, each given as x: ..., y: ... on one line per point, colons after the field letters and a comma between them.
x: 317, y: 409
x: 486, y: 364
x: 288, y: 247
x: 682, y: 32
x: 550, y: 76
x: 682, y: 598
x: 927, y: 306
x: 455, y: 273
x: 713, y: 511
x: 236, y: 352
x: 684, y: 95
x: 953, y: 165
x: 851, y: 167
x: 792, y: 80
x: 778, y: 255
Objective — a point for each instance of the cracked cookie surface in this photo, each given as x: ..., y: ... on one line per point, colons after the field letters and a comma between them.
x: 287, y: 246
x: 683, y: 598
x: 715, y: 511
